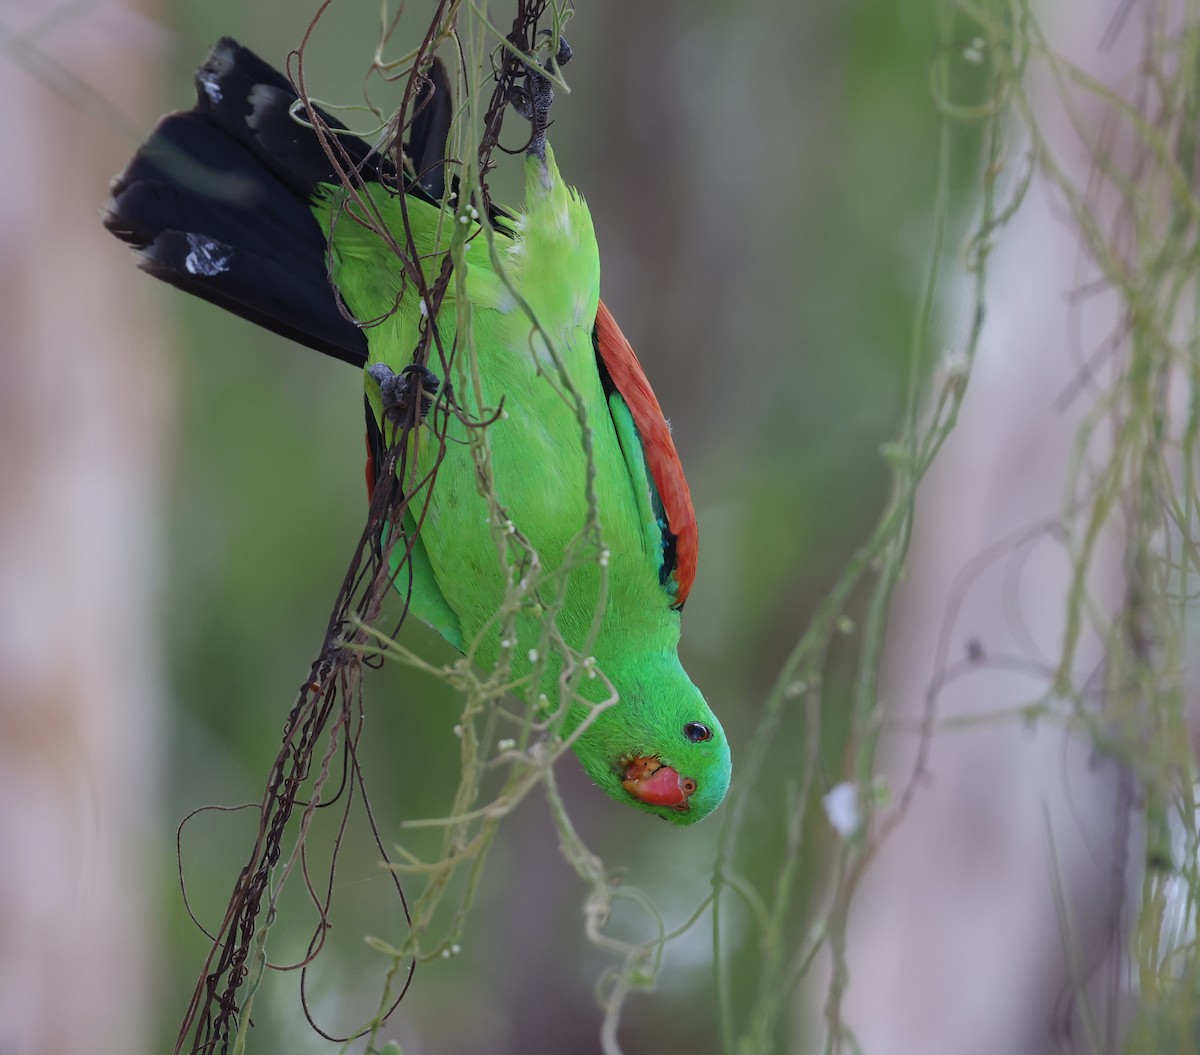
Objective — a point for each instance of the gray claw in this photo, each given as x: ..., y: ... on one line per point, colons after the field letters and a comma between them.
x: 537, y: 96
x: 564, y: 53
x: 397, y: 390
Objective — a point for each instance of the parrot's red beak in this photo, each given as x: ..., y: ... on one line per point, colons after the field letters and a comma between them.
x: 649, y: 781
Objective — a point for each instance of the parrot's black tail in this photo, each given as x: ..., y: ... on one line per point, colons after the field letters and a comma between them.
x: 216, y: 201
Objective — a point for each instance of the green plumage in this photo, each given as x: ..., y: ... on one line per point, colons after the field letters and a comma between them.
x: 232, y: 202
x: 539, y: 466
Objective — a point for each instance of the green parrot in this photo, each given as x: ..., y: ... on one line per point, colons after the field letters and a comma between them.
x: 237, y: 201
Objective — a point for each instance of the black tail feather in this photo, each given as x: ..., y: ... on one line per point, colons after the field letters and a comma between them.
x: 429, y: 131
x: 216, y: 201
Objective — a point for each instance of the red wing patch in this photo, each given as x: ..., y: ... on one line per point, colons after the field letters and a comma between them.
x: 661, y: 459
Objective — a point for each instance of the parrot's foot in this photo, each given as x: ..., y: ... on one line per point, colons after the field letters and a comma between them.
x: 534, y: 99
x: 399, y: 391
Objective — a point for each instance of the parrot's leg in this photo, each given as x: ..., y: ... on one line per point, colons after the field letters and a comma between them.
x: 533, y: 101
x: 399, y: 390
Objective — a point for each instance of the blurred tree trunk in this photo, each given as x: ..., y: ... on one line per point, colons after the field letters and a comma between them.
x: 995, y: 919
x: 81, y: 467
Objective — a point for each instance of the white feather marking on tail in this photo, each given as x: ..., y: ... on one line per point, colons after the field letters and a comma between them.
x: 208, y: 257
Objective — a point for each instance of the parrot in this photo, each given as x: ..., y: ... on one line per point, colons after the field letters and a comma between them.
x: 237, y: 201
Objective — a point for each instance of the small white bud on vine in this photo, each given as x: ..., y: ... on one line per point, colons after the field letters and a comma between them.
x: 507, y: 744
x: 464, y: 218
x: 845, y: 625
x: 423, y: 308
x: 445, y: 954
x: 475, y: 212
x: 506, y: 643
x: 955, y: 364
x: 842, y: 808
x: 603, y: 558
x: 589, y: 665
x: 533, y: 655
x: 455, y: 949
x: 458, y: 731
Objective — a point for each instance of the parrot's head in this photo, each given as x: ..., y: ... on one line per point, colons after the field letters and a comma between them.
x: 660, y: 748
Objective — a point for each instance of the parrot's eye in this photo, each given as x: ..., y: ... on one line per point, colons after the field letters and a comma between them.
x: 697, y: 732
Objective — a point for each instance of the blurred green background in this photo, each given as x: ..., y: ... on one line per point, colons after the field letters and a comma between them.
x: 761, y: 178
